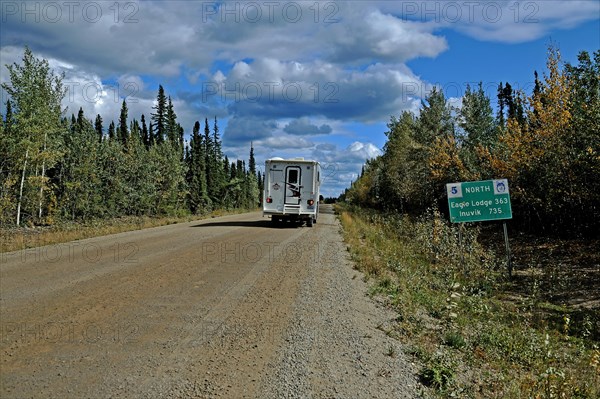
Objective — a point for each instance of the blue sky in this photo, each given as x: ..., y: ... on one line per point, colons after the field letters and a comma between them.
x: 312, y: 79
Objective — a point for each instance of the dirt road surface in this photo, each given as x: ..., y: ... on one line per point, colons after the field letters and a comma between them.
x: 229, y: 307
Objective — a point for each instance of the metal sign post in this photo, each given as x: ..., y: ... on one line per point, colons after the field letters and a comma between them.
x: 479, y: 201
x: 460, y: 247
x: 507, y: 249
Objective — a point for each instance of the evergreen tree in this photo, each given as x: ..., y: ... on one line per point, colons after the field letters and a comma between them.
x: 252, y: 181
x: 123, y: 130
x: 135, y: 131
x: 198, y: 198
x: 145, y: 133
x: 77, y: 173
x: 435, y: 119
x: 240, y: 168
x: 500, y: 120
x: 160, y: 116
x: 233, y: 171
x: 209, y: 156
x: 73, y: 125
x: 181, y: 132
x: 261, y: 186
x: 172, y: 129
x: 8, y: 146
x: 219, y: 180
x: 151, y: 136
x: 9, y: 120
x: 509, y: 101
x: 111, y: 130
x: 252, y: 161
x: 226, y: 171
x: 477, y: 119
x: 98, y: 127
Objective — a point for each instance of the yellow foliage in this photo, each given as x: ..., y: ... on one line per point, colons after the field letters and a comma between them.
x: 445, y: 163
x: 525, y: 146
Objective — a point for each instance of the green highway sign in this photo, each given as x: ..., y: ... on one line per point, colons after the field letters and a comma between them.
x: 478, y: 201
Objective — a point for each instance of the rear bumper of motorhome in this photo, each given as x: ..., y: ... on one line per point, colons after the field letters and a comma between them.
x: 292, y: 211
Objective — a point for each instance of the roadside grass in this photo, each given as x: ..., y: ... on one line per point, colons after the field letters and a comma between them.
x: 460, y: 316
x: 15, y: 239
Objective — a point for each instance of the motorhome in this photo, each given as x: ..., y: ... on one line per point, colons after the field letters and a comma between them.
x: 292, y: 190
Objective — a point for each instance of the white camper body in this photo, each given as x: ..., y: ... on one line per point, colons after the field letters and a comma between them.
x: 292, y: 190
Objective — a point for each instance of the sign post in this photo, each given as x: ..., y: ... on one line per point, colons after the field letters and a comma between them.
x: 479, y: 201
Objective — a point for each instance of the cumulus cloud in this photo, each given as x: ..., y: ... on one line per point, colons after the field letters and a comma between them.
x: 498, y: 20
x: 302, y: 126
x: 284, y: 142
x: 245, y: 129
x: 384, y: 37
x: 277, y: 89
x: 325, y: 147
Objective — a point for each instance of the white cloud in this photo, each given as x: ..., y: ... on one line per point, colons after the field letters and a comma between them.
x: 503, y: 21
x: 275, y: 89
x: 286, y: 142
x: 245, y: 129
x: 383, y: 37
x: 303, y: 126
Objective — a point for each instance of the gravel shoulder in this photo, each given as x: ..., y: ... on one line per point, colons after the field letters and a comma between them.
x: 223, y: 308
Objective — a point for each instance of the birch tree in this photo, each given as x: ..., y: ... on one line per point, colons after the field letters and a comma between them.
x: 36, y: 93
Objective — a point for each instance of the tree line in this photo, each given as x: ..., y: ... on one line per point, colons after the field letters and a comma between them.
x: 55, y: 168
x: 546, y: 143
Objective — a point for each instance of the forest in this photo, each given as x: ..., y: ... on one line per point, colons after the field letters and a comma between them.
x: 546, y: 143
x: 56, y: 168
x: 479, y: 327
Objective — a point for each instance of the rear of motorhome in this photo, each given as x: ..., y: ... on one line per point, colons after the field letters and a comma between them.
x: 292, y: 190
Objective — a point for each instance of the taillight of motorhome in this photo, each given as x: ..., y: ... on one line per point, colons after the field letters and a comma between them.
x: 269, y: 200
x: 311, y: 202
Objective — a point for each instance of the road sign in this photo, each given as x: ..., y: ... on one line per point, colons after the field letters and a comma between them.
x: 478, y: 201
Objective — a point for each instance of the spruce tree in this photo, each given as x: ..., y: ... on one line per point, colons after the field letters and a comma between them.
x: 111, y: 130
x: 145, y: 133
x: 218, y: 175
x: 73, y: 125
x: 10, y: 118
x: 151, y: 136
x: 135, y: 131
x: 509, y: 100
x: 500, y: 120
x: 226, y: 168
x: 252, y: 161
x: 435, y: 119
x: 123, y: 130
x: 209, y: 156
x: 160, y: 116
x: 477, y: 119
x: 7, y: 147
x: 196, y: 171
x: 172, y: 129
x: 232, y: 171
x: 98, y: 127
x: 80, y: 121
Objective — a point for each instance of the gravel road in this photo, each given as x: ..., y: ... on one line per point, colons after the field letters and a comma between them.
x: 223, y: 308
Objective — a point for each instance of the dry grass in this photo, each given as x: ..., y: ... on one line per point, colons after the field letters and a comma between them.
x: 15, y: 239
